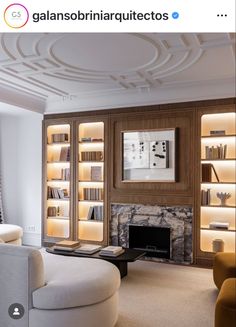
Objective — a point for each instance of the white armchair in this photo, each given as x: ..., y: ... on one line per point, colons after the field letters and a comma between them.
x: 11, y: 234
x: 56, y: 290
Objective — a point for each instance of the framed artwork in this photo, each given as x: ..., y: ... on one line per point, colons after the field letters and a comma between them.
x: 149, y: 156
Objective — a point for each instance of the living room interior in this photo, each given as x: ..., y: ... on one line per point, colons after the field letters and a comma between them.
x: 124, y: 140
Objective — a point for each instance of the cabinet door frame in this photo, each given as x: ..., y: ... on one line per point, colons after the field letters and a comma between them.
x: 203, y: 257
x: 49, y: 240
x: 77, y: 122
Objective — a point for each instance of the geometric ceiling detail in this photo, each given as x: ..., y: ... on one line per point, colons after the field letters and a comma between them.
x: 54, y: 67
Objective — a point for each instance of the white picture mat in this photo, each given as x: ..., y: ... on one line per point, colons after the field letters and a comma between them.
x: 132, y: 171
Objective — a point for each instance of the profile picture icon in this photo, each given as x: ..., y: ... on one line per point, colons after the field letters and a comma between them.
x: 16, y: 15
x: 16, y: 312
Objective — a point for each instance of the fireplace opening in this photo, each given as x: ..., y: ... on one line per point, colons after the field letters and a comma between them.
x: 154, y: 240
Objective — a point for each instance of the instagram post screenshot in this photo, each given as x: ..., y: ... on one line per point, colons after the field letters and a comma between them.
x: 117, y: 163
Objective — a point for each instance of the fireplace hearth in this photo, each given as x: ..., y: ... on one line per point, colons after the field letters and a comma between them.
x: 178, y: 219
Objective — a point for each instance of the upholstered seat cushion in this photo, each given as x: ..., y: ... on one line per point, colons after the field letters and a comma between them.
x: 224, y: 266
x: 73, y: 282
x: 10, y: 233
x: 225, y: 311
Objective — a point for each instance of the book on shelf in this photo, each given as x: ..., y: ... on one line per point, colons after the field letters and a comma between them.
x: 65, y: 153
x: 205, y: 197
x: 57, y: 193
x: 95, y: 194
x: 96, y: 173
x: 207, y: 169
x: 217, y: 132
x: 88, y: 248
x: 216, y: 152
x: 65, y: 174
x: 66, y: 245
x: 95, y: 213
x: 60, y: 137
x: 91, y: 156
x: 112, y: 251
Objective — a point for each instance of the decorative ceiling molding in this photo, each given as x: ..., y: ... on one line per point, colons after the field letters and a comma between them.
x: 67, y: 72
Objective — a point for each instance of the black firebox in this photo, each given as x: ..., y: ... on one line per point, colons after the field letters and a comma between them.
x: 154, y: 240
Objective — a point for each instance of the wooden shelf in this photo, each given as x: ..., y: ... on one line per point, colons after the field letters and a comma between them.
x: 217, y: 206
x: 91, y: 161
x: 218, y: 230
x: 99, y: 201
x: 58, y: 217
x: 228, y: 159
x: 57, y: 181
x: 54, y: 199
x: 232, y: 183
x: 95, y: 142
x: 89, y: 181
x: 215, y: 136
x: 59, y: 143
x: 58, y: 162
x: 90, y: 221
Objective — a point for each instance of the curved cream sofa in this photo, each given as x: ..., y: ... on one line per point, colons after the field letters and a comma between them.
x: 11, y: 234
x: 56, y: 290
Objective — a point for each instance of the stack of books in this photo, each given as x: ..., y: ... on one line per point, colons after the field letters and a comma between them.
x: 219, y: 225
x: 66, y: 245
x: 88, y: 249
x: 112, y: 251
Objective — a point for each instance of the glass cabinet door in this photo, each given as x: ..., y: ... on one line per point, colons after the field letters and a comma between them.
x: 58, y: 175
x: 91, y: 181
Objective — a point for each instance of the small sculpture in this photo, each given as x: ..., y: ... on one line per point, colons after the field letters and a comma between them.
x: 223, y: 197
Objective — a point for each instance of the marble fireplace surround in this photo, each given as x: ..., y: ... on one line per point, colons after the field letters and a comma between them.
x: 178, y: 218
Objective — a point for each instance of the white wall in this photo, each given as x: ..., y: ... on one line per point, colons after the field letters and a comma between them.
x: 21, y: 166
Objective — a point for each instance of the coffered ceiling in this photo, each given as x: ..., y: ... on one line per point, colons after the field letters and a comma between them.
x: 73, y: 72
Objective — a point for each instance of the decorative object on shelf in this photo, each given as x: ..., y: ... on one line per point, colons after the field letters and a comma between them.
x: 207, y: 169
x: 149, y: 155
x: 219, y: 225
x: 223, y: 197
x: 218, y: 245
x: 217, y: 132
x: 216, y: 152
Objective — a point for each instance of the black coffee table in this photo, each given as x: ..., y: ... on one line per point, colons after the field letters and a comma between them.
x: 121, y: 262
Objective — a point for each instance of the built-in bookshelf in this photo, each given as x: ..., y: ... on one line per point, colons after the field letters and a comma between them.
x: 58, y: 168
x: 91, y: 181
x: 218, y: 205
x: 74, y: 179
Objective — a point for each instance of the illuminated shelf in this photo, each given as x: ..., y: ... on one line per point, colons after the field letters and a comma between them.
x: 58, y: 162
x: 228, y: 159
x: 218, y: 183
x: 90, y: 221
x: 214, y: 136
x: 57, y: 181
x: 95, y: 201
x: 218, y: 230
x: 58, y: 217
x: 217, y: 206
x: 95, y: 142
x: 89, y: 181
x: 59, y: 143
x: 54, y: 199
x: 94, y: 161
